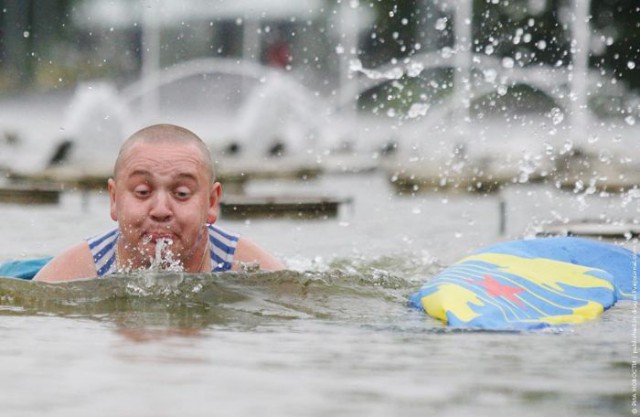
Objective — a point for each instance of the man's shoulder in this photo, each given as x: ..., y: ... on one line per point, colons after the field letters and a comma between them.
x: 76, y: 262
x: 249, y: 252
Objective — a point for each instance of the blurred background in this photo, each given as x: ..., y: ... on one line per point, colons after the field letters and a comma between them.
x: 288, y: 76
x: 438, y: 95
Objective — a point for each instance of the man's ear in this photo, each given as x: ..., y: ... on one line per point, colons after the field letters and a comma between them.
x: 111, y: 186
x: 214, y: 203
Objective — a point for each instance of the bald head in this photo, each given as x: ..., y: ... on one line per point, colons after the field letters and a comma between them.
x: 166, y: 133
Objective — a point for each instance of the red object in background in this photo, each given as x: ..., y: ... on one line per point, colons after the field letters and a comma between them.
x: 278, y: 55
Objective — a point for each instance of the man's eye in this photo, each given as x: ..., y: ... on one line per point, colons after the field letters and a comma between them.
x: 141, y: 192
x: 182, y: 194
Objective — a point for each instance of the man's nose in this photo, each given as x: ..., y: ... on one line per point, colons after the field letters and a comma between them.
x: 161, y: 207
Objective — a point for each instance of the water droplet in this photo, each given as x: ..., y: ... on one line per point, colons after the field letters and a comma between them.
x: 556, y: 115
x: 355, y: 65
x: 605, y: 156
x: 508, y: 62
x: 414, y: 69
x: 457, y: 235
x: 631, y: 65
x: 490, y: 75
x: 541, y: 45
x: 592, y: 138
x: 446, y: 52
x: 339, y: 49
x: 548, y: 148
x: 441, y: 24
x: 417, y: 110
x: 630, y: 120
x: 416, y: 210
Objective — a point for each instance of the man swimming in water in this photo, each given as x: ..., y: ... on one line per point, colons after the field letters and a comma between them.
x: 165, y: 198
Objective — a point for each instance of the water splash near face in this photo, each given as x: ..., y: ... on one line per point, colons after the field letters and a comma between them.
x: 163, y: 259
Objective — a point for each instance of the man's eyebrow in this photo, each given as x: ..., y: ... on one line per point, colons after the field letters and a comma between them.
x: 179, y: 176
x: 140, y: 172
x: 187, y: 176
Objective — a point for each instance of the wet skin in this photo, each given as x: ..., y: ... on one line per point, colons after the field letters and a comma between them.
x: 163, y: 191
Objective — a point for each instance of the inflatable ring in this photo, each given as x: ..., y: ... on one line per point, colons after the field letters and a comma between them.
x: 23, y: 269
x: 530, y: 284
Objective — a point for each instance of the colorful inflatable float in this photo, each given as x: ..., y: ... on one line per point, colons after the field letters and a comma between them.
x: 530, y: 284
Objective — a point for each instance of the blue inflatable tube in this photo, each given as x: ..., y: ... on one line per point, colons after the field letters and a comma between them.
x: 530, y: 284
x: 23, y: 269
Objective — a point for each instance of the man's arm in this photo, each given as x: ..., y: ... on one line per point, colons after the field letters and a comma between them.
x: 249, y: 252
x: 74, y: 263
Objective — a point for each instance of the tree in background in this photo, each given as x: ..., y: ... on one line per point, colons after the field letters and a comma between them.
x: 38, y: 45
x: 616, y: 39
x: 529, y: 31
x: 30, y: 31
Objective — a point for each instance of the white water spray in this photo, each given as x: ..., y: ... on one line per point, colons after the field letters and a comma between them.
x: 163, y: 259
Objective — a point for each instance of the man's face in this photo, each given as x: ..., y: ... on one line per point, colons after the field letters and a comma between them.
x: 163, y: 191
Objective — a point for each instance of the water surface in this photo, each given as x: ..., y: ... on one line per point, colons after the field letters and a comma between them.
x: 333, y: 335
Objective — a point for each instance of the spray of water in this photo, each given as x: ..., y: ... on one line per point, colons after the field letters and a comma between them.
x: 163, y: 259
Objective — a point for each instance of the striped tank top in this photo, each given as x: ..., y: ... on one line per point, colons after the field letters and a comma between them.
x: 222, y: 246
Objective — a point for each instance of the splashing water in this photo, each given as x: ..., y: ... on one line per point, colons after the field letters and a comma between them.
x: 163, y: 259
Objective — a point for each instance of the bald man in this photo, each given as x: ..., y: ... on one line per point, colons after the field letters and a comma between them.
x: 165, y: 198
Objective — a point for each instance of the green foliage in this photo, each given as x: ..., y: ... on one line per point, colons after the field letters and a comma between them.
x: 397, y: 96
x: 516, y: 28
x: 510, y: 29
x: 394, y: 31
x: 618, y: 22
x: 513, y: 28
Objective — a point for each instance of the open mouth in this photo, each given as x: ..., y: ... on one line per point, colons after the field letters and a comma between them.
x: 154, y: 237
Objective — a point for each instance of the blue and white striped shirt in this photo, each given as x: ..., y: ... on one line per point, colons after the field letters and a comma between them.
x: 222, y: 247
